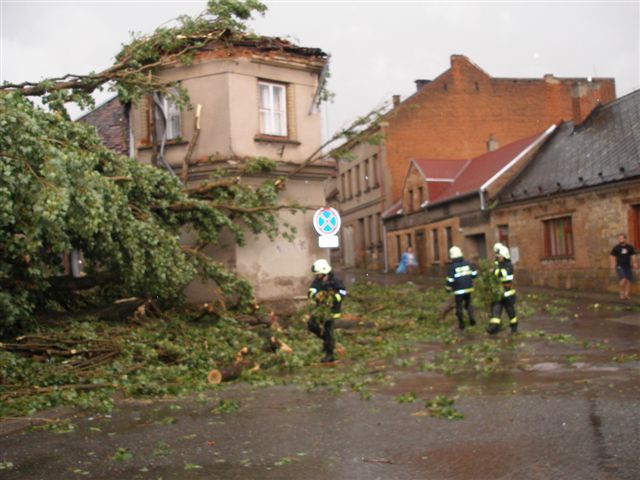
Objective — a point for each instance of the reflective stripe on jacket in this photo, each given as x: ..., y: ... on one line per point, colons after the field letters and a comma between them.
x: 460, y: 276
x: 504, y: 271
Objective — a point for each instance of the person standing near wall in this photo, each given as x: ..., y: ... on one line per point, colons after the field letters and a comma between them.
x: 623, y: 258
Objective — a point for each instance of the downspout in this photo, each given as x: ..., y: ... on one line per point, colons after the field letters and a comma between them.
x: 382, y: 202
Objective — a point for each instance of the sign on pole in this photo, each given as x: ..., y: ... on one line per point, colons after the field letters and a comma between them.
x: 327, y: 223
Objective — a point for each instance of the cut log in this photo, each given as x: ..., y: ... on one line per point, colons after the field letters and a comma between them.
x: 224, y: 374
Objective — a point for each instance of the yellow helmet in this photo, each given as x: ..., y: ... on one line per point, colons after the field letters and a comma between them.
x: 455, y: 252
x: 321, y: 267
x: 503, y: 251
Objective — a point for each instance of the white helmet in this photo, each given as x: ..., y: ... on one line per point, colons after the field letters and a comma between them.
x: 504, y: 252
x: 497, y: 247
x: 321, y: 266
x: 455, y: 252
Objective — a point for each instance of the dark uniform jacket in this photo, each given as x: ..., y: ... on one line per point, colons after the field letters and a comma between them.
x: 460, y: 276
x: 504, y: 271
x: 332, y: 287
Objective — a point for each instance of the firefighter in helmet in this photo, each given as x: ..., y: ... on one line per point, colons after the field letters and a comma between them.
x: 326, y: 289
x: 503, y: 269
x: 460, y: 276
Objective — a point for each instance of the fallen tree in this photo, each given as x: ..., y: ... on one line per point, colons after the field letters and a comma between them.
x: 61, y: 190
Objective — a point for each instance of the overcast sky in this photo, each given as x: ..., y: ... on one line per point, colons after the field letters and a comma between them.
x: 378, y: 48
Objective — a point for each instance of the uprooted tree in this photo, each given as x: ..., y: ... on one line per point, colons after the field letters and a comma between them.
x: 61, y: 189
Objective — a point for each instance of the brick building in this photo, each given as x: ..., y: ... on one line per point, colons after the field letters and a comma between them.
x: 461, y: 114
x: 111, y: 119
x: 448, y: 202
x: 562, y: 214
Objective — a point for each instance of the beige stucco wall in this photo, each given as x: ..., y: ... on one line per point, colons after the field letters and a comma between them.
x: 597, y: 217
x: 227, y: 90
x: 280, y: 268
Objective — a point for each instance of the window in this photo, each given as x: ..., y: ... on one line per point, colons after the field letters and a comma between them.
x: 273, y: 109
x: 398, y: 248
x: 374, y: 166
x: 343, y: 191
x: 358, y: 184
x: 503, y: 234
x: 435, y: 245
x: 410, y: 202
x: 165, y: 108
x: 558, y: 237
x: 634, y: 226
x: 350, y: 184
x: 378, y: 229
x: 449, y: 237
x: 367, y: 184
x: 420, y: 196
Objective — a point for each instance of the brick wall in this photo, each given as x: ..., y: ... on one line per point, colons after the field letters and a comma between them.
x: 454, y: 115
x: 597, y: 217
x: 112, y: 124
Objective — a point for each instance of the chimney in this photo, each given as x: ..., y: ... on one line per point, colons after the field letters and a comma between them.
x: 421, y: 83
x: 396, y: 101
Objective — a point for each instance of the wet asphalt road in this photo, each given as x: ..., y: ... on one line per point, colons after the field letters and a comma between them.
x: 541, y: 418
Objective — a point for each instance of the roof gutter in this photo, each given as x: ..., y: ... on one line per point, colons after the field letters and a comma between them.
x: 522, y: 154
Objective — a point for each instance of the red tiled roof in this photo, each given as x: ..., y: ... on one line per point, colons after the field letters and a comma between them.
x: 440, y: 169
x: 483, y: 168
x: 435, y: 189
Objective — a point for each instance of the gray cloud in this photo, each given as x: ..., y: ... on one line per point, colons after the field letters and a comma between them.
x: 378, y: 48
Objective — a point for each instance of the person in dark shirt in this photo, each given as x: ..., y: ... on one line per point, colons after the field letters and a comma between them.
x: 326, y: 289
x: 623, y: 258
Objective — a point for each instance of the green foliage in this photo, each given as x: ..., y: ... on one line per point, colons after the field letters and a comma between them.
x: 226, y: 406
x: 487, y: 287
x: 122, y: 455
x: 442, y: 407
x: 60, y: 189
x: 410, y: 397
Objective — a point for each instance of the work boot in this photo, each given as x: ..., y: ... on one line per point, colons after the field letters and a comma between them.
x: 514, y: 328
x: 461, y: 325
x: 493, y: 328
x: 328, y: 358
x: 472, y: 322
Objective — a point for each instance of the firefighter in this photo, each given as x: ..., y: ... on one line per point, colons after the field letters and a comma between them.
x: 326, y: 289
x: 504, y: 271
x: 460, y: 276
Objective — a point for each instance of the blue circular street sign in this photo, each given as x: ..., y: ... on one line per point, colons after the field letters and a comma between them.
x: 326, y: 221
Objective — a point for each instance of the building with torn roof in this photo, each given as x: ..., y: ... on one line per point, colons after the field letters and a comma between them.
x: 252, y: 97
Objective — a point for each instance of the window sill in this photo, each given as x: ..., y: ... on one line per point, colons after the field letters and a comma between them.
x: 559, y: 257
x: 275, y: 139
x: 168, y: 143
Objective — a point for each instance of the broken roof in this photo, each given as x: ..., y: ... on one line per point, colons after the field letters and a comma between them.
x: 605, y: 148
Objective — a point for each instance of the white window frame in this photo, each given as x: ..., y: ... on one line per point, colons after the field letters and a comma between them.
x: 174, y: 127
x: 273, y: 109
